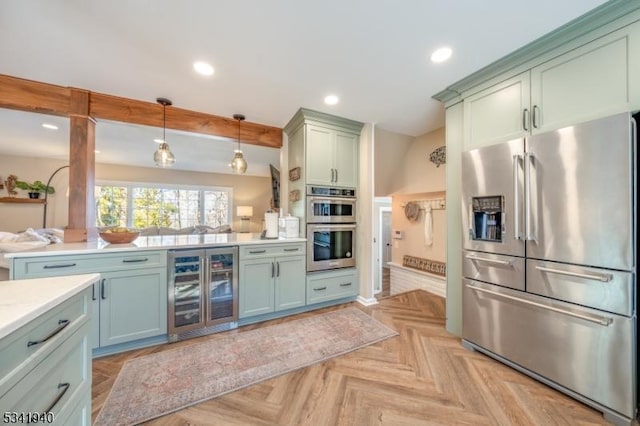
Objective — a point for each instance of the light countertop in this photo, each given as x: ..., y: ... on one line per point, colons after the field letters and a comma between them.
x: 156, y: 242
x: 22, y: 301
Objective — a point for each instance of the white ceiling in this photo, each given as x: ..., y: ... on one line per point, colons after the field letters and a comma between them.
x: 270, y: 58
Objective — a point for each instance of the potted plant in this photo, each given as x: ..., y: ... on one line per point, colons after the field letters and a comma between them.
x: 34, y: 189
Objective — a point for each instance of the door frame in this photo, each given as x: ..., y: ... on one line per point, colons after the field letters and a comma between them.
x: 380, y: 205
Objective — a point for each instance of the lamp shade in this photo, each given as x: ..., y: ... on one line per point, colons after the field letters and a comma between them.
x: 244, y: 211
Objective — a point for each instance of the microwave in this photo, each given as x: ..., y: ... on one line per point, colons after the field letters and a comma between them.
x: 322, y: 209
x: 331, y: 246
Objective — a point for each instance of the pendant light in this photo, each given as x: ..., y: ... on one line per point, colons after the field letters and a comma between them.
x: 238, y: 164
x: 163, y: 155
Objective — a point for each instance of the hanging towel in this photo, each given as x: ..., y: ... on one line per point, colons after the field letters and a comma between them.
x: 428, y: 226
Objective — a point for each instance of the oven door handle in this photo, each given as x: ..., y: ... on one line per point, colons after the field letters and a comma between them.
x: 326, y: 228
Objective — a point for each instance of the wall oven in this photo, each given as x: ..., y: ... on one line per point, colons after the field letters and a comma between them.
x: 330, y: 246
x: 331, y: 205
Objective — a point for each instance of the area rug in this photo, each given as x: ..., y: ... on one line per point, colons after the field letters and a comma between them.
x: 157, y: 384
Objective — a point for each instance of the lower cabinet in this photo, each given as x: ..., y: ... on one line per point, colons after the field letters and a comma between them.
x: 46, y: 367
x: 270, y: 281
x: 331, y: 285
x: 132, y: 306
x: 129, y: 302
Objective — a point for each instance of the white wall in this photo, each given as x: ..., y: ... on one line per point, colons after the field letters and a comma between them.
x: 390, y: 150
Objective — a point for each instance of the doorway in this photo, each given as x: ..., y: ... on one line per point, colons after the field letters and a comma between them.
x: 383, y: 249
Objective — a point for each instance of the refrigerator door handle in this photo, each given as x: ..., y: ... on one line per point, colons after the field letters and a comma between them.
x: 604, y: 321
x: 528, y: 159
x: 204, y: 290
x: 494, y: 261
x: 516, y: 197
x: 605, y: 278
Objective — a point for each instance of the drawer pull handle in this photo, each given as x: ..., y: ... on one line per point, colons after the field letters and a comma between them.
x: 257, y: 251
x: 495, y: 261
x: 605, y: 278
x: 292, y: 249
x: 65, y: 387
x: 605, y: 321
x: 345, y: 284
x: 61, y: 265
x: 135, y: 260
x: 61, y: 326
x: 319, y: 288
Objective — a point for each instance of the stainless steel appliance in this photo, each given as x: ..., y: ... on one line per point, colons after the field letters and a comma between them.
x: 330, y: 246
x: 203, y: 291
x: 549, y: 259
x: 331, y: 205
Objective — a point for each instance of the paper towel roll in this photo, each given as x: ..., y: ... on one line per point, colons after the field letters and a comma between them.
x: 271, y: 225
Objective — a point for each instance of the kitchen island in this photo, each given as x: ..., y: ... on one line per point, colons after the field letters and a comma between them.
x: 141, y: 294
x: 45, y: 374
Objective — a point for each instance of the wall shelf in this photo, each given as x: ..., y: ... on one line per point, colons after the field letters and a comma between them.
x: 21, y: 200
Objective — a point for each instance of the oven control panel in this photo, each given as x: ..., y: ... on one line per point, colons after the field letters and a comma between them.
x: 329, y: 191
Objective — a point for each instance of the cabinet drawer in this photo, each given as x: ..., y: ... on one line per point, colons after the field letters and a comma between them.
x: 80, y: 264
x: 57, y: 383
x: 271, y: 250
x: 20, y: 351
x: 330, y: 286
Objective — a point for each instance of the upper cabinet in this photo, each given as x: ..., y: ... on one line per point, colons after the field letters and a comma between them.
x: 591, y: 81
x: 331, y: 157
x: 324, y: 147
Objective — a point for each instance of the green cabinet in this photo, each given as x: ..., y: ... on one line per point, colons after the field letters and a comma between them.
x: 325, y: 148
x: 129, y: 302
x: 133, y: 305
x: 331, y: 157
x: 271, y: 278
x: 332, y: 285
x: 591, y: 81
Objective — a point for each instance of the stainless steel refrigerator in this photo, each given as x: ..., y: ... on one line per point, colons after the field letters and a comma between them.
x: 549, y: 259
x: 203, y: 291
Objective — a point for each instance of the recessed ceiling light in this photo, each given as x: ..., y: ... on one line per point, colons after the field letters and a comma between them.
x: 441, y: 54
x: 203, y: 68
x: 50, y: 126
x: 331, y: 100
x: 96, y: 151
x: 158, y: 141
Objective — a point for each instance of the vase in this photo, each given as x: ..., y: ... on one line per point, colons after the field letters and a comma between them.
x: 34, y: 195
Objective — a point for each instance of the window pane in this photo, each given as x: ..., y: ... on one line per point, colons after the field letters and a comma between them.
x: 216, y: 208
x: 151, y: 209
x: 188, y: 207
x: 111, y: 206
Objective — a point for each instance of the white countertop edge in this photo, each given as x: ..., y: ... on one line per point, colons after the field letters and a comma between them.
x: 22, y: 301
x: 164, y: 242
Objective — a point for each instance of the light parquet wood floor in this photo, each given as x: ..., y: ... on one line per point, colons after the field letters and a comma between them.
x: 421, y: 377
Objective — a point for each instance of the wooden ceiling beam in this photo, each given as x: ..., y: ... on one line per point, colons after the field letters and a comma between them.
x: 32, y: 96
x: 114, y: 108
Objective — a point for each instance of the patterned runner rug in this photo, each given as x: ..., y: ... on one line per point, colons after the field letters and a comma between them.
x: 157, y: 384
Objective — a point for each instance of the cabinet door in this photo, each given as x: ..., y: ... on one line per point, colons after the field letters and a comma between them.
x: 320, y: 155
x: 256, y: 289
x: 498, y: 113
x: 133, y: 305
x: 586, y: 83
x: 290, y: 286
x: 346, y: 159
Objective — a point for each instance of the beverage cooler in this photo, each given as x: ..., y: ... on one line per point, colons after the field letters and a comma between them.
x: 203, y: 291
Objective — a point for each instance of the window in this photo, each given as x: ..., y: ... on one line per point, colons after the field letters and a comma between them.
x: 172, y: 206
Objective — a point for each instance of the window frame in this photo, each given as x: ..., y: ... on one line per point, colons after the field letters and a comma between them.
x: 156, y: 185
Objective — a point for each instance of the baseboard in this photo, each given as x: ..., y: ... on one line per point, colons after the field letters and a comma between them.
x: 367, y: 302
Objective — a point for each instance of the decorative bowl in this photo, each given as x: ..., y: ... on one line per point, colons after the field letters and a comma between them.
x: 119, y: 237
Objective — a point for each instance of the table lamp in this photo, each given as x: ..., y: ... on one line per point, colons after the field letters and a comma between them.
x: 244, y: 213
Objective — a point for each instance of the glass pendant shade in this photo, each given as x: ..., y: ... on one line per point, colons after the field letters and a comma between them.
x: 163, y: 156
x: 238, y: 164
